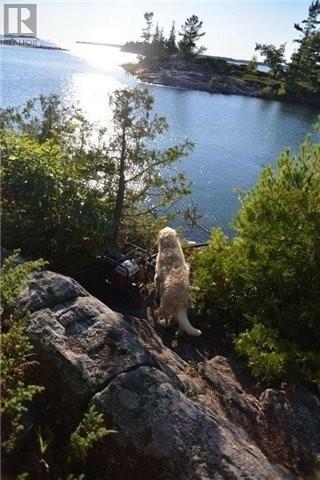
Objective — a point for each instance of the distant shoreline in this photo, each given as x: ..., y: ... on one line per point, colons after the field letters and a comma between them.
x: 127, y: 49
x: 116, y: 45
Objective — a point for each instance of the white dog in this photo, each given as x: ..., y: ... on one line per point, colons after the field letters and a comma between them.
x: 172, y: 281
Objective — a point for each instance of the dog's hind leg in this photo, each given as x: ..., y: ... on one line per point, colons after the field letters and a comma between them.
x: 157, y: 284
x: 179, y: 332
x: 163, y: 317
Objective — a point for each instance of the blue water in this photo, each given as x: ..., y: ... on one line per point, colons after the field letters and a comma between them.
x: 234, y: 136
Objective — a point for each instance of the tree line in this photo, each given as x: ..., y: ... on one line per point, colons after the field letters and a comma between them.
x: 155, y: 44
x: 301, y: 73
x: 303, y: 69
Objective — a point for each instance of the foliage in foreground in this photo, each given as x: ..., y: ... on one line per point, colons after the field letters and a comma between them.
x: 16, y: 351
x: 66, y: 190
x: 89, y: 431
x: 17, y: 391
x: 14, y: 278
x: 47, y: 205
x: 267, y: 279
x: 138, y: 185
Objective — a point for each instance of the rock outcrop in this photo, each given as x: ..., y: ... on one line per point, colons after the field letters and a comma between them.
x: 183, y: 74
x: 174, y: 421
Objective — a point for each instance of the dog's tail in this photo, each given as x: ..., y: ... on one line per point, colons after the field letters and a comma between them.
x: 184, y: 323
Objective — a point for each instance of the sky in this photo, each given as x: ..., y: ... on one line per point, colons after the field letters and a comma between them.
x: 232, y: 27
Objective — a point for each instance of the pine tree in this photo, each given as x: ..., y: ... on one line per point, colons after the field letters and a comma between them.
x: 138, y: 184
x: 309, y: 26
x: 171, y: 42
x: 162, y: 47
x: 158, y: 47
x: 156, y: 35
x: 274, y: 57
x: 146, y: 32
x: 190, y: 35
x: 305, y: 62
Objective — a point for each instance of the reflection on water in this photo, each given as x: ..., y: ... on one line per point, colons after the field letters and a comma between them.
x: 87, y: 74
x: 234, y: 136
x: 92, y: 88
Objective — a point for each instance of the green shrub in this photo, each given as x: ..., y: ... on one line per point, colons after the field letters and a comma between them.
x: 263, y: 350
x: 48, y: 206
x: 14, y: 278
x: 251, y: 66
x: 267, y: 91
x: 282, y: 89
x: 269, y: 274
x: 89, y: 431
x: 44, y: 118
x: 271, y: 357
x: 16, y: 351
x: 70, y: 189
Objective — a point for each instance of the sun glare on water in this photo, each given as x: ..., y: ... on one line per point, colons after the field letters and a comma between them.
x: 93, y: 87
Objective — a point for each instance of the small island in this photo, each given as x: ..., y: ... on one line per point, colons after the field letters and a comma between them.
x: 182, y: 64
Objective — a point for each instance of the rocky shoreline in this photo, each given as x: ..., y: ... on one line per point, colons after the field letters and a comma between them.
x: 191, y: 76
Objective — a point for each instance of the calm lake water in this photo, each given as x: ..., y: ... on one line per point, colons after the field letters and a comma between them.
x: 234, y: 136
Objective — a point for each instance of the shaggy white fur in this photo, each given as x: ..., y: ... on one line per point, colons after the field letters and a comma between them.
x: 172, y: 281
